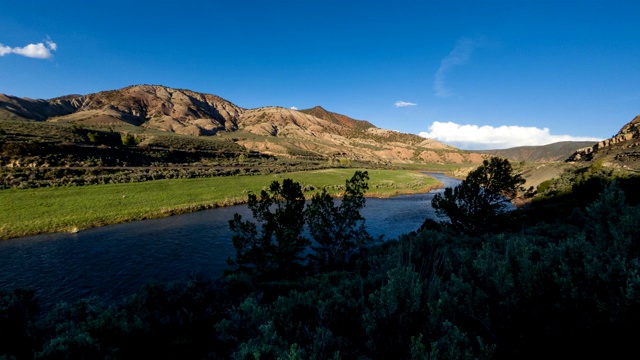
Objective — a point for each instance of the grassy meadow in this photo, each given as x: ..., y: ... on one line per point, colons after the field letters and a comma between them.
x: 61, y: 209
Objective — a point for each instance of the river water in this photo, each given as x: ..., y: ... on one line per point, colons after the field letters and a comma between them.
x: 114, y: 261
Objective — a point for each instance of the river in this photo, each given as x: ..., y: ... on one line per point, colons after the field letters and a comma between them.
x: 114, y: 261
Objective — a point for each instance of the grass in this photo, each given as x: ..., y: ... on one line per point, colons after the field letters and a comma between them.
x: 445, y: 168
x: 68, y: 209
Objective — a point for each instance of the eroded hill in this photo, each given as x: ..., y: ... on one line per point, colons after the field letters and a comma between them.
x: 313, y: 133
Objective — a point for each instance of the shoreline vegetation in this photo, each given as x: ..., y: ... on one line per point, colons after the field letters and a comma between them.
x: 71, y: 209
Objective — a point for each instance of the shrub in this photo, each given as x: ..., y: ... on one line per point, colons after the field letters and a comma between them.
x: 276, y: 251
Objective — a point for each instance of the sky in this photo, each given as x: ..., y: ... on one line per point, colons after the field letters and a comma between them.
x: 473, y: 74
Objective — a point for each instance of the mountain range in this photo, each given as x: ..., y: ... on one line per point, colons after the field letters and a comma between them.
x: 272, y: 130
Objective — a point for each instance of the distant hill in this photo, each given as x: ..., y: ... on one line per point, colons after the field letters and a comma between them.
x: 339, y: 119
x: 315, y: 132
x: 559, y: 151
x: 621, y: 150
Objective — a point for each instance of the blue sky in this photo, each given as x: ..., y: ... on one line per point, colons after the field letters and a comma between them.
x: 475, y: 74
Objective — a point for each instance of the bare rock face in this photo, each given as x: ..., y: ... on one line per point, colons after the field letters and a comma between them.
x: 622, y: 149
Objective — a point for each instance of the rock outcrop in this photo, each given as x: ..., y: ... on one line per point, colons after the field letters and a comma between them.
x: 622, y: 149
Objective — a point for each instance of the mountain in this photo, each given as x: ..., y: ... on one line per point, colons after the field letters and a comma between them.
x: 180, y: 111
x: 339, y: 119
x: 271, y: 130
x: 621, y: 150
x: 559, y: 151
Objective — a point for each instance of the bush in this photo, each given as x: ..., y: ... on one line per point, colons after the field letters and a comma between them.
x: 18, y: 311
x: 477, y: 201
x: 276, y: 251
x: 338, y: 231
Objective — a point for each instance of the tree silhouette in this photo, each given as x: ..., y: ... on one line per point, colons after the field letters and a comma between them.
x: 338, y: 230
x: 481, y: 197
x: 276, y: 251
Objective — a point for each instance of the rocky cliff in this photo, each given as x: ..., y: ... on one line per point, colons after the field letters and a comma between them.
x: 623, y: 149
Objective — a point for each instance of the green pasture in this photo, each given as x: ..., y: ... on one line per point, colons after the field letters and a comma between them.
x: 60, y: 209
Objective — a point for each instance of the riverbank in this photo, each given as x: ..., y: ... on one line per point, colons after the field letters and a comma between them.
x: 71, y: 209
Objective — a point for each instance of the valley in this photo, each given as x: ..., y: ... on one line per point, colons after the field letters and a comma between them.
x: 77, y: 162
x: 148, y: 139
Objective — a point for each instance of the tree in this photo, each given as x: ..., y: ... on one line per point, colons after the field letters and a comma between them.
x: 276, y: 251
x: 481, y: 197
x: 338, y: 230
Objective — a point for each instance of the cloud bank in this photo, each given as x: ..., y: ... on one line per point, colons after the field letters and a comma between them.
x: 474, y: 137
x: 460, y: 55
x: 36, y: 51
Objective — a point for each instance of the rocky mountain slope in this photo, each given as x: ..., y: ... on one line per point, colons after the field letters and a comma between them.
x: 278, y: 131
x: 180, y: 111
x: 621, y: 150
x: 559, y: 151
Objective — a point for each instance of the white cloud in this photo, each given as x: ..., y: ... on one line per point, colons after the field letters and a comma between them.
x: 36, y: 51
x: 4, y: 50
x: 460, y: 55
x: 294, y: 108
x: 404, y: 103
x: 53, y: 46
x: 474, y: 137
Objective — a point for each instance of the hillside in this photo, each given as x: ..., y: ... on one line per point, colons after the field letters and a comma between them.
x: 619, y: 151
x: 275, y: 131
x: 179, y: 111
x: 340, y: 119
x: 559, y: 151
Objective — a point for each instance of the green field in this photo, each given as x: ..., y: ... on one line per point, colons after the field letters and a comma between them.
x: 66, y: 209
